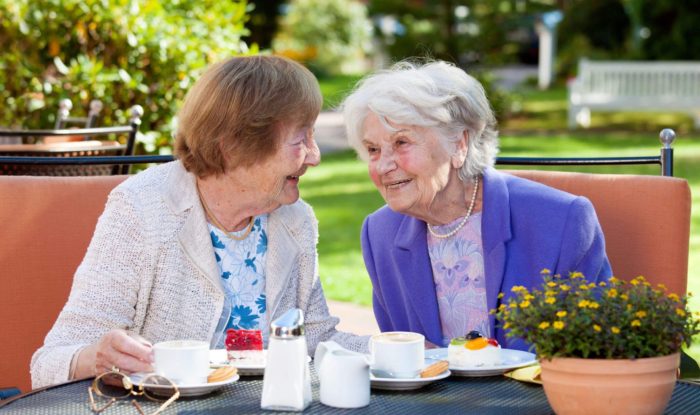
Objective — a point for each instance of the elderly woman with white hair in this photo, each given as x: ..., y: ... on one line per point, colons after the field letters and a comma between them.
x: 455, y: 232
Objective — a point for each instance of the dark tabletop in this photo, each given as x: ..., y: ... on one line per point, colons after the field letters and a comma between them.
x: 454, y: 395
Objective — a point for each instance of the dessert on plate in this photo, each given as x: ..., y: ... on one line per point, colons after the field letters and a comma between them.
x: 473, y: 350
x: 245, y: 345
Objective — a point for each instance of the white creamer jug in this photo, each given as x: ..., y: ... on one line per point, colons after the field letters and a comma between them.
x: 343, y: 374
x: 287, y: 381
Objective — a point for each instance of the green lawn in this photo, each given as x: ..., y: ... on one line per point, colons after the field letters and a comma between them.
x: 342, y: 194
x: 335, y: 88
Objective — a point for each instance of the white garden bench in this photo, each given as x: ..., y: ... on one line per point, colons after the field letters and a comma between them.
x: 634, y: 86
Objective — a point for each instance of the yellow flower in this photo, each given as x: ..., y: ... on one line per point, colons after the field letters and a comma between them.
x: 680, y: 312
x: 500, y: 295
x: 583, y: 303
x: 525, y: 304
x: 596, y: 327
x: 529, y: 297
x: 561, y: 313
x: 564, y: 287
x: 583, y: 287
x: 591, y: 285
x: 551, y: 284
x: 615, y: 330
x: 550, y: 300
x: 634, y: 282
x: 544, y: 325
x: 674, y: 297
x: 614, y: 280
x: 576, y: 275
x: 501, y: 306
x: 558, y: 325
x: 506, y: 325
x: 624, y: 297
x: 593, y: 305
x: 545, y: 271
x: 612, y: 293
x: 636, y: 323
x: 641, y: 314
x: 662, y: 286
x: 518, y: 288
x: 550, y: 293
x: 602, y: 284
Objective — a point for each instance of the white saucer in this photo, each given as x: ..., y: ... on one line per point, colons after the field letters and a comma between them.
x: 393, y: 384
x: 185, y: 390
x: 512, y: 359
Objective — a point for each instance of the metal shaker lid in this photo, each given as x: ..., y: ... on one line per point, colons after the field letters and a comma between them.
x: 288, y: 325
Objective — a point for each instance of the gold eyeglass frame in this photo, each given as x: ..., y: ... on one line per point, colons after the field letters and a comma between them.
x: 130, y: 390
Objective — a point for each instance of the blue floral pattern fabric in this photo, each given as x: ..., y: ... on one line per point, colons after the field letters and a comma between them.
x: 242, y: 267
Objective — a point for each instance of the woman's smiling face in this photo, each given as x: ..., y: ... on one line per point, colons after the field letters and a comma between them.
x: 410, y: 167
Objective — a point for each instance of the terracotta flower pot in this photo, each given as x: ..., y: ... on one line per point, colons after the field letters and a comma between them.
x: 609, y: 386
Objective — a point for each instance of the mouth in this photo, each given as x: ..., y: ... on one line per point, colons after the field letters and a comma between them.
x: 397, y: 184
x: 294, y: 178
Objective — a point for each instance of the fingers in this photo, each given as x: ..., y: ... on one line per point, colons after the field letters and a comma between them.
x: 429, y: 345
x: 129, y: 353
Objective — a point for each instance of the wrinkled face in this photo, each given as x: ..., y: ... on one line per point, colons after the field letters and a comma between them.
x: 275, y: 181
x: 409, y: 166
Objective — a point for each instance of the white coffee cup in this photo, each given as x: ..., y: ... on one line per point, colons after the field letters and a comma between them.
x: 397, y: 354
x: 185, y: 362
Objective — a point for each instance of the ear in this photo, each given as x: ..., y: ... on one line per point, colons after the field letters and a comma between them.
x: 460, y: 151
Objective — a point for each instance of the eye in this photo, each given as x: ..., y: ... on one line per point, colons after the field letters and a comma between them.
x: 401, y: 142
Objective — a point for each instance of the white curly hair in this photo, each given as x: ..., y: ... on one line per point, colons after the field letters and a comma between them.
x: 436, y: 95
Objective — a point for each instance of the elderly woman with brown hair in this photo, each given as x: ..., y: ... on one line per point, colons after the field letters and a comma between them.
x: 455, y: 232
x: 217, y: 239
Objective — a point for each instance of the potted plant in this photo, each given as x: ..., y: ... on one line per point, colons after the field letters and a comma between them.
x: 610, y: 347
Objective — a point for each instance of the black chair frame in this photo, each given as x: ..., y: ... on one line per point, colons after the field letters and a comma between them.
x: 130, y: 130
x: 664, y: 159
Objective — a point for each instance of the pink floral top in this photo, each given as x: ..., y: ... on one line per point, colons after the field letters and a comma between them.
x: 458, y: 272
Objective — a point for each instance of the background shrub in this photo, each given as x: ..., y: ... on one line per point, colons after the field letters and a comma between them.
x: 121, y: 52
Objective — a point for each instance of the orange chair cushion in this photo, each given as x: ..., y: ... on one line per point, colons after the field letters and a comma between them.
x: 47, y: 223
x: 645, y: 220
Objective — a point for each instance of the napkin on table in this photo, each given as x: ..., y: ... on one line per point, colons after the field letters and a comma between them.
x: 526, y: 374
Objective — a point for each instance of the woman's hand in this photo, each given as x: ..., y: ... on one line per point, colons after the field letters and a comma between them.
x: 429, y: 345
x: 126, y: 351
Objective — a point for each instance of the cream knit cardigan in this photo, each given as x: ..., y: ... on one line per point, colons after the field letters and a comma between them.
x: 150, y: 269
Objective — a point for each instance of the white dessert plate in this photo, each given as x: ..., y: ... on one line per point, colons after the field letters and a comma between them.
x: 245, y: 367
x: 185, y: 390
x: 512, y: 359
x: 394, y: 384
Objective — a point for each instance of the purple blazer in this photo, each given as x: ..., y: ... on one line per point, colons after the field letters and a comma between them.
x: 526, y: 226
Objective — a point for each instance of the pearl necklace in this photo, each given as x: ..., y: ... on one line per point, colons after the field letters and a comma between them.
x: 216, y: 223
x: 461, y: 224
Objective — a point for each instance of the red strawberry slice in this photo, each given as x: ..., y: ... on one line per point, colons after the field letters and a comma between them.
x: 493, y: 342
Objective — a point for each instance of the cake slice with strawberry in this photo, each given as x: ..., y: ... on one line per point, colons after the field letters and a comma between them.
x: 245, y: 345
x: 473, y: 350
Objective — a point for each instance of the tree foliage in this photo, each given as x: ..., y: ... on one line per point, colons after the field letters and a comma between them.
x: 671, y: 29
x: 122, y: 52
x: 329, y: 36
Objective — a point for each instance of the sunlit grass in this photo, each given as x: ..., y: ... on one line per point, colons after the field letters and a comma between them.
x: 334, y: 89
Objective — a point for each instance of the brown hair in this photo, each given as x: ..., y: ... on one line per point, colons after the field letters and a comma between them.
x: 234, y: 114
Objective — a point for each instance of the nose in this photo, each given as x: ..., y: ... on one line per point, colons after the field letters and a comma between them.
x: 386, y: 162
x: 313, y: 154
